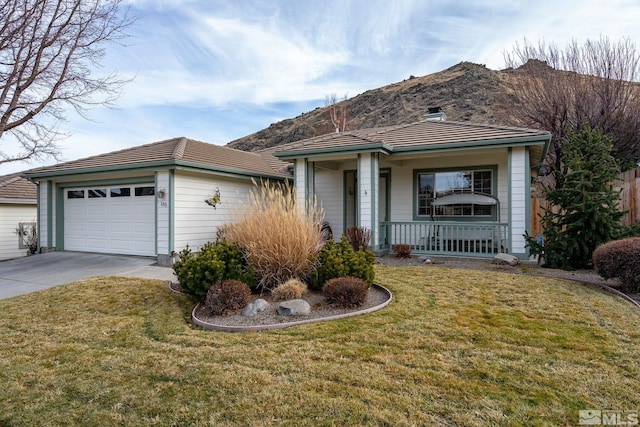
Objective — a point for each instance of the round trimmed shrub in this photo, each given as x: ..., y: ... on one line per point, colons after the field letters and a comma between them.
x: 291, y: 289
x: 621, y: 259
x: 227, y: 297
x: 345, y: 291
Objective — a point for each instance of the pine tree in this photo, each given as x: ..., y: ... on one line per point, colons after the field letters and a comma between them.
x: 584, y: 211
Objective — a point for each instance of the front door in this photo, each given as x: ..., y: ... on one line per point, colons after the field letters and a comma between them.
x: 383, y: 208
x: 351, y: 202
x: 350, y: 199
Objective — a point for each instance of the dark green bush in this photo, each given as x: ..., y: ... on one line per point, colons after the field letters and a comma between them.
x: 227, y: 297
x: 339, y: 259
x: 345, y: 291
x: 583, y: 211
x: 214, y: 263
x: 621, y: 259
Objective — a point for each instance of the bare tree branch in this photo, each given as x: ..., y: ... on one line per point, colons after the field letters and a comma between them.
x: 337, y: 112
x: 594, y: 83
x: 49, y: 50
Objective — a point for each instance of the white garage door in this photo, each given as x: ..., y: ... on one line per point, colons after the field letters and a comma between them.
x: 110, y: 219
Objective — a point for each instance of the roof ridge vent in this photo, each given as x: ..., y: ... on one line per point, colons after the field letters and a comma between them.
x: 178, y: 150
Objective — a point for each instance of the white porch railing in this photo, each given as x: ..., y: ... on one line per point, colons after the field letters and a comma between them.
x: 446, y: 237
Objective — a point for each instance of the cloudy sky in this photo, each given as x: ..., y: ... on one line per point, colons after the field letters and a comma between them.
x: 217, y: 70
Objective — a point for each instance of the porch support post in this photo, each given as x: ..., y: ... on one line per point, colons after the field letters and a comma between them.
x: 518, y: 203
x: 44, y: 213
x: 368, y: 188
x: 165, y: 218
x: 301, y: 182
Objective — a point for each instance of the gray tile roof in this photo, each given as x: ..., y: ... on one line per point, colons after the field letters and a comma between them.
x: 175, y: 151
x: 17, y: 188
x: 425, y: 134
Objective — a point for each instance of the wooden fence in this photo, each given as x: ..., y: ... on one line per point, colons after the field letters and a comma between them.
x: 629, y: 185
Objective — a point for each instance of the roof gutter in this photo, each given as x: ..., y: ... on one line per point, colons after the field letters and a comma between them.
x: 390, y: 150
x: 231, y: 172
x: 99, y: 169
x: 150, y: 166
x: 16, y: 201
x: 379, y: 147
x: 504, y: 142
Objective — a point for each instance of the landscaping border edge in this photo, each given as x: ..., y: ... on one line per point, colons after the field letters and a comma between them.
x: 214, y: 327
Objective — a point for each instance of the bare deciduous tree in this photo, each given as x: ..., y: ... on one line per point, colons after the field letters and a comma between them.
x: 49, y: 51
x: 337, y: 112
x: 593, y: 83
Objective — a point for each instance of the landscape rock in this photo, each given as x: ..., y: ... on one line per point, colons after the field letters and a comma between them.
x: 255, y: 307
x: 294, y: 307
x: 504, y: 259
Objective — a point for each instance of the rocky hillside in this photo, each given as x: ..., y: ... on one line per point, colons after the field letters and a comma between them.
x: 465, y: 92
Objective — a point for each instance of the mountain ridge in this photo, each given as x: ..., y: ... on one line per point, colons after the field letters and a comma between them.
x: 465, y: 92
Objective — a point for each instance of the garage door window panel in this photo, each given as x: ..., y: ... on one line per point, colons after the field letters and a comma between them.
x: 75, y: 194
x: 120, y: 192
x: 97, y: 193
x: 145, y: 191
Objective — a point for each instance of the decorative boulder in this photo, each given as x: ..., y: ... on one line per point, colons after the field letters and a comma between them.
x: 294, y: 307
x: 255, y: 307
x: 504, y: 259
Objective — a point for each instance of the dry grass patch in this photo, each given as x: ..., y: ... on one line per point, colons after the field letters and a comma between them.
x: 456, y: 347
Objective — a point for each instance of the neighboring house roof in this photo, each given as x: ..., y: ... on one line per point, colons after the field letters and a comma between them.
x: 423, y: 136
x: 16, y: 189
x: 172, y: 152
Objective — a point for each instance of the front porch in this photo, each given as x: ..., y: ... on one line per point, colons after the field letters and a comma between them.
x: 479, y: 239
x: 442, y: 188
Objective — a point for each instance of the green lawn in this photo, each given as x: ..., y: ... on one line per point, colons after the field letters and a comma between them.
x: 455, y: 347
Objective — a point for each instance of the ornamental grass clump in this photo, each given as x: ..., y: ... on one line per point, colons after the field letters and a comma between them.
x: 291, y: 289
x: 281, y: 240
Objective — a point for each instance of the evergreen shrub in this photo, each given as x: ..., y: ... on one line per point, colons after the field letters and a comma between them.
x: 214, y: 263
x: 339, y: 259
x: 584, y: 212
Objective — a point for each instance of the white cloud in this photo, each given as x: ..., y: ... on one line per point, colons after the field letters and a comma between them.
x: 217, y: 70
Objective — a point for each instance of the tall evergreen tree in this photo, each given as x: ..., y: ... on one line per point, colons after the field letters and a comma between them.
x: 584, y: 211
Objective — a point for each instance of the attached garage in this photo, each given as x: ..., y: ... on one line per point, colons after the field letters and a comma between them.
x: 147, y: 200
x: 110, y: 219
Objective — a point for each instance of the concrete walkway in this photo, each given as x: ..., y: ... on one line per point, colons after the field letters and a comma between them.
x: 33, y: 273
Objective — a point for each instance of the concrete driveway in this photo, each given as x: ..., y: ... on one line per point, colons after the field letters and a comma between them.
x: 29, y: 274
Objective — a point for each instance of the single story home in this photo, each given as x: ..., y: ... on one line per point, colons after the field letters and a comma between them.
x: 18, y: 203
x: 441, y: 187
